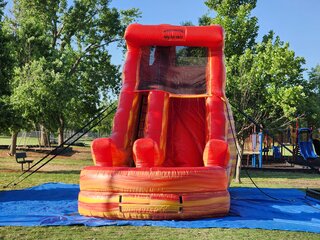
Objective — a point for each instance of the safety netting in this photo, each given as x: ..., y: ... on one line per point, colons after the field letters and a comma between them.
x: 174, y: 69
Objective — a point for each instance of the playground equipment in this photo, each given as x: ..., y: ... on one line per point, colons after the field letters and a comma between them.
x: 171, y: 152
x: 253, y: 148
x: 299, y: 147
x: 305, y: 144
x: 304, y: 152
x: 316, y: 144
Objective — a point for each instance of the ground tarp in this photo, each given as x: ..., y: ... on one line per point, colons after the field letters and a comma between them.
x: 55, y: 204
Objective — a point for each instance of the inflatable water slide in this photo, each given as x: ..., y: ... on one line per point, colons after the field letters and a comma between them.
x: 171, y: 153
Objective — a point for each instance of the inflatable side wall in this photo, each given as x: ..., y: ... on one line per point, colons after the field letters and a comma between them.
x: 171, y: 153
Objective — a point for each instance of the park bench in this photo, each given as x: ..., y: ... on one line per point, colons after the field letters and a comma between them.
x: 21, y: 158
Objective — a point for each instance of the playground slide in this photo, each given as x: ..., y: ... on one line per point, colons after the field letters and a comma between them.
x: 306, y: 150
x: 316, y: 144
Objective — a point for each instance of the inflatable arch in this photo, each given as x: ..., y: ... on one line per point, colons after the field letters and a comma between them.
x: 171, y: 153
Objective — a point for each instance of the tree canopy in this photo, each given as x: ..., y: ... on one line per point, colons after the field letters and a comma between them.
x: 241, y: 29
x: 6, y: 71
x: 311, y: 105
x: 56, y: 70
x: 63, y: 70
x: 264, y: 79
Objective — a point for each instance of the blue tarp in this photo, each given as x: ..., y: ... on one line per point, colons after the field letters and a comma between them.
x: 54, y: 204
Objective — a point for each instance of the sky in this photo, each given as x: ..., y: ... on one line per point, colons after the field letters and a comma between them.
x: 295, y: 21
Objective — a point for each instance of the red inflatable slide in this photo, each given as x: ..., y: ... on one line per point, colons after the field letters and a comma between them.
x: 171, y: 153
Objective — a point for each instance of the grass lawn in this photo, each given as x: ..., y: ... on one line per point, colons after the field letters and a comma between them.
x: 67, y: 168
x: 34, y: 141
x: 5, y: 140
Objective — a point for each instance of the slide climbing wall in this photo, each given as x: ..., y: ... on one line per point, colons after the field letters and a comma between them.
x: 171, y: 153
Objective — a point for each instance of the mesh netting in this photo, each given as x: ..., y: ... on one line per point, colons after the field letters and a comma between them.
x: 178, y: 70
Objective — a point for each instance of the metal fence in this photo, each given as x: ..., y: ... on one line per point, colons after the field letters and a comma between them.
x: 33, y: 138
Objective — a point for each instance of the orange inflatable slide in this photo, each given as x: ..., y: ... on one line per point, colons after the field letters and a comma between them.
x: 171, y: 153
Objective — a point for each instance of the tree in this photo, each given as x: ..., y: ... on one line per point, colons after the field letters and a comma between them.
x: 312, y: 107
x: 64, y: 69
x: 7, y: 119
x: 6, y: 70
x: 240, y: 27
x: 314, y: 78
x: 267, y: 83
x: 263, y: 79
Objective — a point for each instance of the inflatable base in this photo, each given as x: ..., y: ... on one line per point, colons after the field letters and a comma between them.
x: 153, y: 193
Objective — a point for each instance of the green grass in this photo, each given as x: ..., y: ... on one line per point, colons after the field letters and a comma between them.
x: 144, y: 233
x: 4, y: 140
x: 27, y: 141
x: 269, y: 179
x: 61, y: 169
x: 67, y: 169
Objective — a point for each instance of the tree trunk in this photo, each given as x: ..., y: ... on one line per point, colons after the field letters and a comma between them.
x: 44, y: 138
x: 61, y: 132
x: 13, y: 146
x: 239, y: 159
